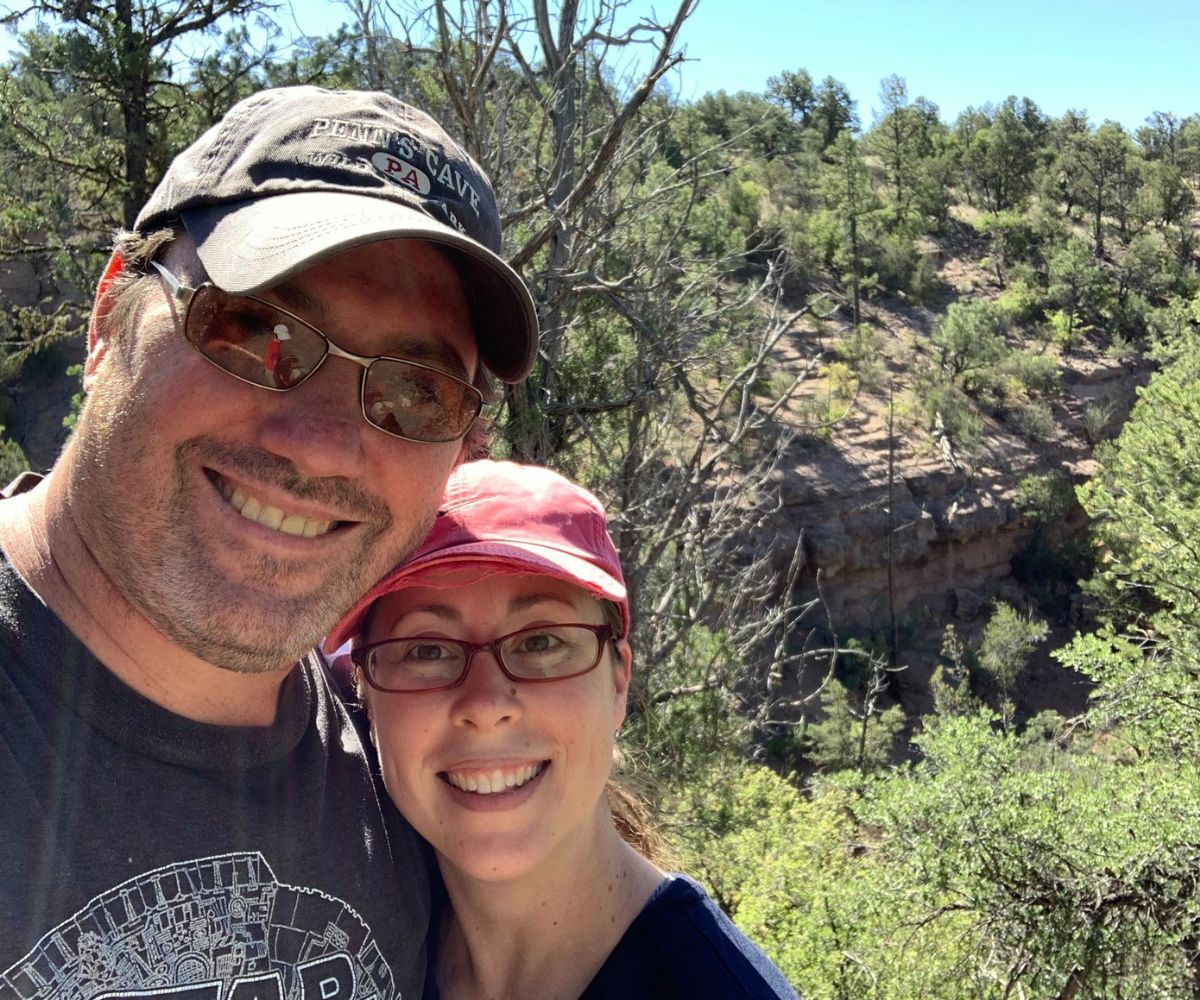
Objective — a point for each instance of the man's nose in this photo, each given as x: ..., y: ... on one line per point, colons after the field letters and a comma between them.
x: 319, y: 426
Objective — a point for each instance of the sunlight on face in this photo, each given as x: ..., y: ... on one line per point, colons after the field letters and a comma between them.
x: 499, y: 775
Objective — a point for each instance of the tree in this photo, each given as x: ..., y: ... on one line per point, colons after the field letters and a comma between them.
x: 1008, y: 641
x: 794, y: 92
x: 117, y: 52
x: 1059, y: 182
x: 903, y: 138
x: 1061, y: 871
x: 834, y: 112
x: 1078, y: 287
x: 91, y: 110
x: 1099, y: 164
x: 658, y: 382
x: 851, y: 200
x: 1011, y: 239
x: 1145, y: 506
x: 1159, y: 137
x: 1000, y: 149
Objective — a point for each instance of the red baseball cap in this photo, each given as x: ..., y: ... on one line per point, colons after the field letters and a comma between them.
x: 502, y: 518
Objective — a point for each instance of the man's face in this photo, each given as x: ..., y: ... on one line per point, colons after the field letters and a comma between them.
x: 187, y: 484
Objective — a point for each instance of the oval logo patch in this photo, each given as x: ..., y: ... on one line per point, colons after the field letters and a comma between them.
x: 401, y: 172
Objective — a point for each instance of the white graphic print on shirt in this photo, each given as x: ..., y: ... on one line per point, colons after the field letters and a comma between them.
x: 218, y: 928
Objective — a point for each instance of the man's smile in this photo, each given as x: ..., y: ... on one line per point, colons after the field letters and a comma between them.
x: 268, y: 515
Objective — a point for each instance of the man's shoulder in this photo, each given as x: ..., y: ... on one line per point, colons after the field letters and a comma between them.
x: 22, y: 614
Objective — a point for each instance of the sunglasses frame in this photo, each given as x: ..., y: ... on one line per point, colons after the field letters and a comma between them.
x: 182, y: 295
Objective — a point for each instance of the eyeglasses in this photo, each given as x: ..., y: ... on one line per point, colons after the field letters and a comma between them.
x: 431, y: 663
x: 257, y: 342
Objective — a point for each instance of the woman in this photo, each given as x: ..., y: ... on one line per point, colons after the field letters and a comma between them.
x: 494, y: 665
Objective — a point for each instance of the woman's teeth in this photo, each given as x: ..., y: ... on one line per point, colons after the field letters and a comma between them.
x: 493, y: 782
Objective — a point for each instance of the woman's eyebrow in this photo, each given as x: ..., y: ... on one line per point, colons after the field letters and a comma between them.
x: 526, y: 601
x: 437, y: 610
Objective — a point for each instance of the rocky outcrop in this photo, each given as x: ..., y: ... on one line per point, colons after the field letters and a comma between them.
x: 955, y: 525
x: 953, y: 534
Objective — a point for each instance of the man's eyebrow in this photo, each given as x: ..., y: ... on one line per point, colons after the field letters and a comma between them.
x: 435, y: 352
x: 438, y: 353
x: 295, y: 298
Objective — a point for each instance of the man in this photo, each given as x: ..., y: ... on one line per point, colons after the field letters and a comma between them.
x: 283, y: 368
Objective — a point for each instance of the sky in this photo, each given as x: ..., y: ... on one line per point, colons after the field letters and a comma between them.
x: 1116, y: 59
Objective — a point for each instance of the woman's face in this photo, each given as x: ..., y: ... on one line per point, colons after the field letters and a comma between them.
x: 547, y: 745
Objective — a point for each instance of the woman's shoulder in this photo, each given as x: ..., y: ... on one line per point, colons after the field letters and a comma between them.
x: 681, y: 944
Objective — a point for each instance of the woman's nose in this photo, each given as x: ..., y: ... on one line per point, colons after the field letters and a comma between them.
x: 487, y: 697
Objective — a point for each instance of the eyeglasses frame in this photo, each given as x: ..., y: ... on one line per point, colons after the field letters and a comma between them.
x: 182, y: 295
x: 604, y: 634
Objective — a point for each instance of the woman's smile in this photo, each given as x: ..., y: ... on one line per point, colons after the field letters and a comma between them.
x: 495, y: 781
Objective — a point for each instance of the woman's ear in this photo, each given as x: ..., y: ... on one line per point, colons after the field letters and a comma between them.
x: 622, y: 674
x: 98, y: 328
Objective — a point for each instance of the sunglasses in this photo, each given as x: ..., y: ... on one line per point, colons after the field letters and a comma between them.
x: 259, y: 343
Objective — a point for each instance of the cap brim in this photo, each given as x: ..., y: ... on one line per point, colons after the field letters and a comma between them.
x: 483, y: 559
x: 248, y: 246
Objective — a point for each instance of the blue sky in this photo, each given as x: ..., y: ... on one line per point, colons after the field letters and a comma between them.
x: 1117, y: 59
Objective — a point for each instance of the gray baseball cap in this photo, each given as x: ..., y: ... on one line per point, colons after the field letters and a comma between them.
x: 293, y: 175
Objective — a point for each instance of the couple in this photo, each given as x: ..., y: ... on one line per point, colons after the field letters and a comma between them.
x: 190, y: 812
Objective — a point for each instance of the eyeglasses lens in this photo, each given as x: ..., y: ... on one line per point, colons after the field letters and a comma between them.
x: 538, y: 654
x: 559, y: 651
x: 251, y: 340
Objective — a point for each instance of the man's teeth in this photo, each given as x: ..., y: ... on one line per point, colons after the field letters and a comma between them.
x: 253, y: 509
x: 493, y: 782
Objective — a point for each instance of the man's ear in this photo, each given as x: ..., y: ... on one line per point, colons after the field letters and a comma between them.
x: 622, y: 674
x: 98, y: 331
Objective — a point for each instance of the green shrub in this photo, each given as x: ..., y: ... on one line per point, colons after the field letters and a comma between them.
x: 1034, y: 420
x: 862, y: 351
x: 1097, y: 414
x: 1037, y: 374
x: 850, y: 737
x: 949, y: 412
x: 969, y: 339
x: 1009, y: 639
x: 1046, y: 499
x: 1020, y: 302
x: 12, y: 459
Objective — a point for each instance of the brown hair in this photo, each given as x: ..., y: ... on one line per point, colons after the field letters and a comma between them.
x: 632, y: 814
x: 137, y: 250
x: 627, y: 792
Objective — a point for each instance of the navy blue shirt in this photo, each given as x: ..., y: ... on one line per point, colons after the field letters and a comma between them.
x: 682, y: 946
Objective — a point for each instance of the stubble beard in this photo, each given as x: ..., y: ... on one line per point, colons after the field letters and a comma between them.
x: 154, y: 552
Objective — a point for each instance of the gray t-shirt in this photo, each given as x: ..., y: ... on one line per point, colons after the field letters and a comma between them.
x: 143, y: 854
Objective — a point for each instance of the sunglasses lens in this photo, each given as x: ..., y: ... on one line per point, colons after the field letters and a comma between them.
x: 251, y: 340
x: 418, y: 403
